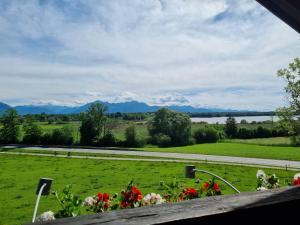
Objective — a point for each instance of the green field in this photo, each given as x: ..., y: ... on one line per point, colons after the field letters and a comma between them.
x: 236, y: 149
x: 275, y: 141
x: 119, y: 126
x: 19, y: 176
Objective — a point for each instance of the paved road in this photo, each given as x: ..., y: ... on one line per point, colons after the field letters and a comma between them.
x: 181, y: 156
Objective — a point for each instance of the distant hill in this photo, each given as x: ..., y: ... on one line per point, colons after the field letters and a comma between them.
x: 123, y: 107
x: 3, y: 107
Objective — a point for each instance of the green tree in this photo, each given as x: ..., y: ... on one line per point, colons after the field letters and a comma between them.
x: 10, y: 131
x: 231, y: 127
x: 175, y: 125
x: 206, y: 135
x: 93, y: 124
x: 87, y: 131
x: 32, y: 132
x: 290, y: 116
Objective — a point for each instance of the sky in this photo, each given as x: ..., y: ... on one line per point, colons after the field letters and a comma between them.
x: 204, y: 53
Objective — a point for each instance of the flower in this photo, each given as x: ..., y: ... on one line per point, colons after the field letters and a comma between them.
x: 188, y: 193
x: 89, y: 201
x: 260, y: 174
x: 103, y: 197
x: 297, y: 176
x: 205, y: 186
x: 46, y: 216
x: 216, y: 187
x: 296, y: 180
x: 131, y: 197
x: 261, y: 189
x: 153, y: 199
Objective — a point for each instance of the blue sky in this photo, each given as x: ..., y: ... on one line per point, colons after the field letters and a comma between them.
x: 211, y: 53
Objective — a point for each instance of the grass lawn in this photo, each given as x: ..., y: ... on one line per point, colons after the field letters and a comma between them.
x: 19, y: 176
x: 18, y: 150
x: 236, y: 149
x: 275, y: 141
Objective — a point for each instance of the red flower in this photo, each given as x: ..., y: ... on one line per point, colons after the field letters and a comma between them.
x: 296, y: 182
x: 100, y: 197
x: 205, y: 186
x: 189, y: 193
x: 103, y: 197
x: 216, y: 187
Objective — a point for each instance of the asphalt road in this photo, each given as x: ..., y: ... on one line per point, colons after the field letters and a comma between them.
x: 181, y: 156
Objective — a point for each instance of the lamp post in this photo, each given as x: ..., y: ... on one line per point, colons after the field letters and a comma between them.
x: 43, y: 188
x: 190, y: 172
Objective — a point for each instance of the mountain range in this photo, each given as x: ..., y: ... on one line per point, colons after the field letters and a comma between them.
x: 123, y: 107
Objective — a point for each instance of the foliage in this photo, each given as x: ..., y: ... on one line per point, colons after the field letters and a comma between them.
x: 62, y: 136
x: 32, y: 133
x: 206, y: 135
x: 108, y: 139
x: 70, y: 203
x: 265, y: 182
x: 172, y: 190
x: 231, y: 127
x: 173, y: 124
x: 98, y: 203
x: 131, y: 197
x: 210, y: 188
x: 131, y: 137
x: 88, y: 131
x: 10, y: 131
x: 290, y: 116
x: 93, y: 124
x: 161, y: 140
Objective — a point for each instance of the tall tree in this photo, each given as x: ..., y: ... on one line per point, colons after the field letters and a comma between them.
x: 290, y: 116
x: 32, y: 132
x: 231, y: 127
x: 93, y: 123
x: 10, y: 131
x: 175, y: 125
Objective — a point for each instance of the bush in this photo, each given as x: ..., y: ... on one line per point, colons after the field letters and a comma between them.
x: 62, y: 136
x: 132, y: 139
x: 161, y: 140
x: 262, y: 132
x: 108, y: 139
x: 32, y: 133
x: 206, y: 135
x: 175, y: 125
x: 245, y: 133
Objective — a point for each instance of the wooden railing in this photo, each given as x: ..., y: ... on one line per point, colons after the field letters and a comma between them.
x: 257, y: 207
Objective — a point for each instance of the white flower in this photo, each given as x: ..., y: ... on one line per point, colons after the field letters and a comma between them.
x: 261, y: 189
x: 89, y: 201
x: 153, y: 199
x: 147, y: 198
x: 297, y: 176
x: 46, y: 216
x: 260, y: 174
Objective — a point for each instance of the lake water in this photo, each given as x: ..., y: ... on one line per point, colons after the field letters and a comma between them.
x: 222, y: 120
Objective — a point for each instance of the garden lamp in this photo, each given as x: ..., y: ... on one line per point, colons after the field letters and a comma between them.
x: 190, y: 172
x: 43, y: 188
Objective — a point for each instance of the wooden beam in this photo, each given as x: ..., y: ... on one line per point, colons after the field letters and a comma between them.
x: 286, y: 10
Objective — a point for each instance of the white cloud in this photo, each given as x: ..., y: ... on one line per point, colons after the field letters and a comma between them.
x: 154, y: 51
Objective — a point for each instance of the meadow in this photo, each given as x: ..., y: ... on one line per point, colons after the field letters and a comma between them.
x: 118, y: 129
x: 19, y: 176
x: 236, y: 149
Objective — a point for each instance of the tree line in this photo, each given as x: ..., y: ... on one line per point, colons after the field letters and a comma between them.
x: 165, y: 127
